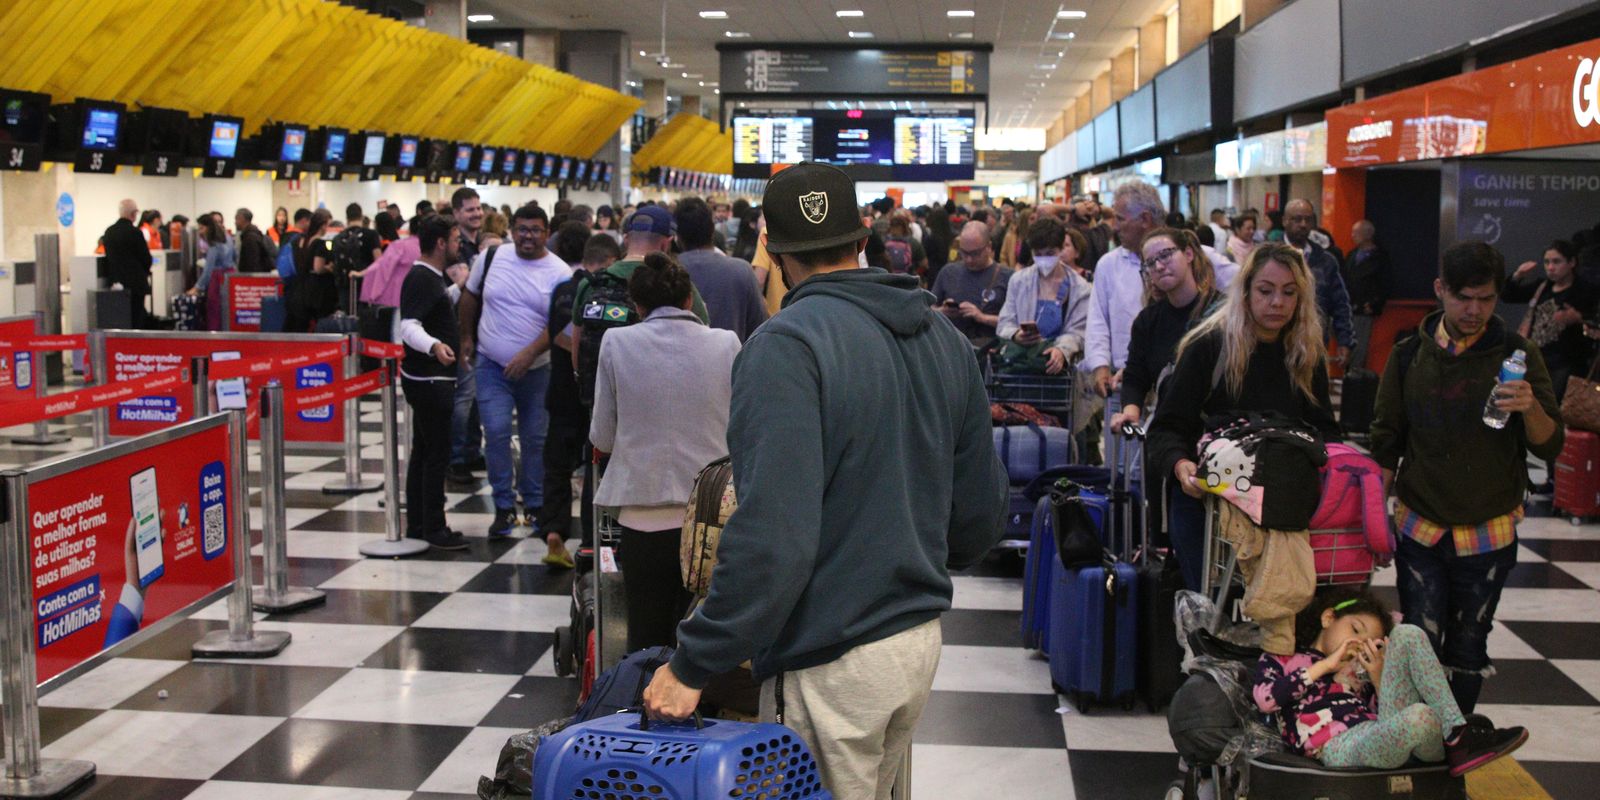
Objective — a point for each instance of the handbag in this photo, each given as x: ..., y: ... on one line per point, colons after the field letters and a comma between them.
x: 1580, y: 406
x: 1077, y: 538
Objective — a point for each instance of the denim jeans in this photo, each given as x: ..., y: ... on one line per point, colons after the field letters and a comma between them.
x: 465, y: 431
x: 1186, y: 524
x: 1452, y: 599
x: 498, y: 399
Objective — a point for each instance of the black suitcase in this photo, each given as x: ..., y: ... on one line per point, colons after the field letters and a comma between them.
x: 1161, y: 658
x: 1281, y: 776
x: 1357, y: 398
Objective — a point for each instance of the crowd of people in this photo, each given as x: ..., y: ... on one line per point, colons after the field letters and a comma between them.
x: 830, y: 349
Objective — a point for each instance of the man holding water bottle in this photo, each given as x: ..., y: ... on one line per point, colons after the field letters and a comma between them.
x: 1459, y: 407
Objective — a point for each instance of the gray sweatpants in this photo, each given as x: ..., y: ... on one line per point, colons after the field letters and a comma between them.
x: 857, y: 713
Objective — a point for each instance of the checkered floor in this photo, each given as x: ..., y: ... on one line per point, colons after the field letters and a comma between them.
x: 411, y: 677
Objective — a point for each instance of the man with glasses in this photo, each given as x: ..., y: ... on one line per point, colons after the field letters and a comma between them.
x: 1332, y: 298
x: 503, y: 314
x: 972, y: 297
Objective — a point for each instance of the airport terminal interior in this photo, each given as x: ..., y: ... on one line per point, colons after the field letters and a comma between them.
x: 245, y: 254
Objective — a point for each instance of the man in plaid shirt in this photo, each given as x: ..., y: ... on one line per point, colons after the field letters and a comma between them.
x: 1460, y: 484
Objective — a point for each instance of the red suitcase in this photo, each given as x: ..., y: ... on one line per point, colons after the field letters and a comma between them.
x: 1578, y: 475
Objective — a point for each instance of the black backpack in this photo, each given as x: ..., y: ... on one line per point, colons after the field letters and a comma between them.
x: 608, y: 307
x: 350, y: 252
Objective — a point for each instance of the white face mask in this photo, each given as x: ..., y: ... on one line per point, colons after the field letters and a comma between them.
x: 1046, y: 263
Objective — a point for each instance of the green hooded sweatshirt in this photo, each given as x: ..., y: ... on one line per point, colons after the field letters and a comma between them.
x: 865, y: 470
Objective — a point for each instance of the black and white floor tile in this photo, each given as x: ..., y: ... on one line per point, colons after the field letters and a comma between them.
x: 406, y: 683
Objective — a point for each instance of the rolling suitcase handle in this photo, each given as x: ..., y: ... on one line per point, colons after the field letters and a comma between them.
x: 1127, y: 449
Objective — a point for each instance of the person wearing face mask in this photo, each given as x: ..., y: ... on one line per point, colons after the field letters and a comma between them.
x: 1047, y: 304
x: 1268, y: 337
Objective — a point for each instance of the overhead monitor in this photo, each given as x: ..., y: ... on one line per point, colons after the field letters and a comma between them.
x: 508, y: 162
x: 566, y: 169
x: 293, y: 147
x: 854, y: 137
x: 486, y: 159
x: 23, y: 117
x: 530, y: 164
x: 582, y: 174
x: 335, y: 142
x: 372, y: 152
x: 547, y: 167
x: 102, y: 128
x: 408, y: 152
x: 933, y: 147
x: 224, y: 141
x: 463, y: 157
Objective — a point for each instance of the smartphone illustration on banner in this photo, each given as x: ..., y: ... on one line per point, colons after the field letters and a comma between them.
x: 231, y: 393
x: 146, y: 525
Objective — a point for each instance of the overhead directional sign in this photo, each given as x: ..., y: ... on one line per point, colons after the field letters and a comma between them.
x: 824, y: 70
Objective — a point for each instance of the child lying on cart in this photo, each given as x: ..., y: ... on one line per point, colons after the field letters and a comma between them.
x: 1360, y: 691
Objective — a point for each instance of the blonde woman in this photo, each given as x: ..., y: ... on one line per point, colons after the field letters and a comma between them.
x: 1267, y: 337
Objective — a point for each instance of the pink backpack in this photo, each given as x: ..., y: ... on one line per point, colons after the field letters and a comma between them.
x: 1350, y: 530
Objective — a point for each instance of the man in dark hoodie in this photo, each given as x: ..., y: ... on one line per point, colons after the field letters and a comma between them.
x: 1460, y: 483
x: 865, y: 471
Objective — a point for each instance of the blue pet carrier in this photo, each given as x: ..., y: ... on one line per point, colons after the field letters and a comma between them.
x: 622, y: 757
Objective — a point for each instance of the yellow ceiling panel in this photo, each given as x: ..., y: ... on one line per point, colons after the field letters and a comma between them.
x: 308, y: 61
x: 690, y: 142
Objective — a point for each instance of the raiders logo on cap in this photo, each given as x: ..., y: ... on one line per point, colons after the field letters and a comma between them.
x: 815, y: 206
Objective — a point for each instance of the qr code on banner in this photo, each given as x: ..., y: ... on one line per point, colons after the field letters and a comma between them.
x: 216, y: 528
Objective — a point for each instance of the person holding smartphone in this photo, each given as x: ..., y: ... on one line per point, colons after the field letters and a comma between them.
x: 973, y: 297
x: 1048, y: 303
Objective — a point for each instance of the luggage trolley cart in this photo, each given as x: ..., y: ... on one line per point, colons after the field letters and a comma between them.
x: 1336, y: 552
x: 1052, y: 394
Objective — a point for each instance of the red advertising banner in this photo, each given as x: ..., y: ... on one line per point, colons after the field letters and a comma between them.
x: 130, y: 357
x: 1547, y: 100
x: 122, y: 542
x: 241, y: 299
x: 60, y: 341
x: 16, y: 366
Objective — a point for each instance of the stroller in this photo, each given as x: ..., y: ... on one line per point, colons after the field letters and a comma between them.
x: 1229, y: 750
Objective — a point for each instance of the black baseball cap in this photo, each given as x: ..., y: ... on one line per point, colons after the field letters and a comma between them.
x: 811, y: 206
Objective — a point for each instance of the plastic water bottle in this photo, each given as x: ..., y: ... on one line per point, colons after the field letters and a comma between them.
x: 1512, y: 369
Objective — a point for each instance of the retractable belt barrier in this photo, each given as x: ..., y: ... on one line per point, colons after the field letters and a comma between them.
x: 101, y: 550
x: 58, y: 342
x: 23, y: 412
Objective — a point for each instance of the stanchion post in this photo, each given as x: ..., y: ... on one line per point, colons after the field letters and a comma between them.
x: 41, y: 382
x: 241, y: 639
x: 100, y: 417
x: 352, y: 482
x: 394, y: 544
x: 199, y: 368
x: 26, y: 773
x: 276, y: 594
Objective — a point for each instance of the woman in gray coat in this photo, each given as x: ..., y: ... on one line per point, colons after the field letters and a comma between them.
x: 661, y: 400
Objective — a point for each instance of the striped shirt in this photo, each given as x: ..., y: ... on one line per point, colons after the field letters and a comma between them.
x: 1484, y: 537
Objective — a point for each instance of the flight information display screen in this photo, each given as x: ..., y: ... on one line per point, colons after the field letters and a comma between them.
x: 928, y: 141
x: 772, y: 140
x: 224, y: 138
x: 855, y: 138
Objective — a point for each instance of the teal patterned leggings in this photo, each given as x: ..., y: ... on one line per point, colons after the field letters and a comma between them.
x: 1415, y: 710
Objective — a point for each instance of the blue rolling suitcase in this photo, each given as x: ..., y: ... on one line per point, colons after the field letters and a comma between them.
x: 1029, y: 450
x: 620, y: 756
x: 1038, y: 576
x: 1094, y: 634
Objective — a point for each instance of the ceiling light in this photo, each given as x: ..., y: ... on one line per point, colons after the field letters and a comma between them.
x: 641, y: 53
x: 736, y: 34
x: 850, y: 13
x: 962, y: 35
x: 1047, y: 66
x: 861, y: 34
x: 1069, y: 35
x: 685, y: 74
x: 702, y: 83
x: 480, y: 18
x: 961, y: 12
x: 1065, y: 14
x: 713, y: 15
x: 716, y: 91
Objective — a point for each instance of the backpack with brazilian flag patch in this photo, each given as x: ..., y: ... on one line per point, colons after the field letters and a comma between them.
x: 608, y: 306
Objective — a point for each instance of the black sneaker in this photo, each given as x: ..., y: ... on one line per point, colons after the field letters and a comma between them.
x: 504, y: 520
x: 448, y: 540
x: 477, y: 463
x: 459, y: 475
x: 1478, y: 742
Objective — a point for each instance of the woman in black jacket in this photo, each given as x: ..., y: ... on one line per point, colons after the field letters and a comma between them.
x: 1180, y: 290
x: 1268, y: 339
